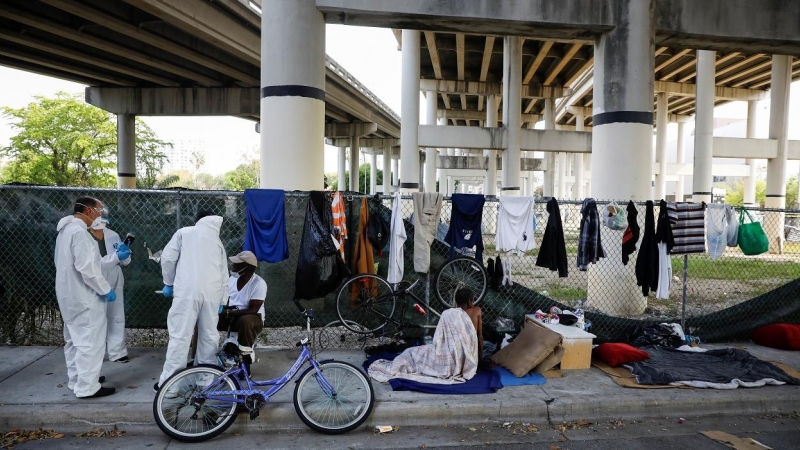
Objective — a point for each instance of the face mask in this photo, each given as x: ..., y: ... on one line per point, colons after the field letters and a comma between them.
x: 99, y: 223
x: 237, y: 274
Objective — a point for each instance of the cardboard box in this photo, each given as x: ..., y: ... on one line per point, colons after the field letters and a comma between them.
x: 576, y: 342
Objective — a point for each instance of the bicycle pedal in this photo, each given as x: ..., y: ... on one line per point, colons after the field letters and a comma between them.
x: 254, y: 414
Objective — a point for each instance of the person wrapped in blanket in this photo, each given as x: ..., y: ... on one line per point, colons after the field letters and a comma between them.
x: 453, y: 355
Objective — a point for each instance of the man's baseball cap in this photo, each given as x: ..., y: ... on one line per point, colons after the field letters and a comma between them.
x: 245, y: 257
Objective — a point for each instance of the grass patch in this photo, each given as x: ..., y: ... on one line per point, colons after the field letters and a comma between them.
x: 736, y: 269
x: 566, y: 294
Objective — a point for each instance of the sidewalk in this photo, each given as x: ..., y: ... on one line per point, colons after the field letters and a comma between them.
x: 33, y: 393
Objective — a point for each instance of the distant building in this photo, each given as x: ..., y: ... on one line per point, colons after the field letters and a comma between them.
x: 180, y: 156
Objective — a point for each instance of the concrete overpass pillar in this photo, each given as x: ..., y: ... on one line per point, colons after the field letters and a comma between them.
x: 355, y: 156
x: 579, y: 158
x: 430, y: 153
x: 681, y: 155
x: 342, y: 169
x: 395, y: 175
x: 126, y: 151
x: 661, y: 145
x: 776, y: 167
x: 549, y: 187
x: 387, y: 170
x: 622, y: 139
x: 749, y: 197
x: 512, y: 112
x: 292, y: 95
x: 409, y: 112
x: 491, y: 165
x: 373, y: 172
x: 702, y: 178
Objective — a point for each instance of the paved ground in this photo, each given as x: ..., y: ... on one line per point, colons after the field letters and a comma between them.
x: 33, y: 394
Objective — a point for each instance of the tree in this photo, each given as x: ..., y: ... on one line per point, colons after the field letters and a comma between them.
x: 363, y: 179
x: 64, y: 141
x: 150, y: 158
x: 735, y: 193
x: 245, y: 176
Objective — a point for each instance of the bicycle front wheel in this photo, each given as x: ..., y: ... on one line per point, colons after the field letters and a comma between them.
x: 457, y: 273
x: 365, y: 303
x: 182, y: 415
x: 344, y: 408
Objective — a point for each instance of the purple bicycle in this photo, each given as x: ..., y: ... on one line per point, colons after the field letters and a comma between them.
x: 201, y: 402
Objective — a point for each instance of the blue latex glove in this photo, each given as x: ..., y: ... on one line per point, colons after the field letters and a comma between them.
x: 123, y: 252
x: 167, y: 291
x: 219, y: 311
x: 111, y: 296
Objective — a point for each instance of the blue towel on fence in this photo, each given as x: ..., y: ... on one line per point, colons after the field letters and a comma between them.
x: 509, y: 379
x: 484, y: 381
x: 266, y: 225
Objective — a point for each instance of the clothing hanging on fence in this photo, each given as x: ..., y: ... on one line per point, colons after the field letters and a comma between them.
x: 507, y: 281
x: 515, y: 222
x: 490, y: 273
x: 465, y: 224
x: 590, y: 246
x: 553, y: 250
x: 498, y: 272
x: 631, y: 236
x: 688, y: 227
x: 363, y: 257
x: 666, y: 243
x: 339, y: 222
x: 427, y: 208
x: 733, y: 226
x: 717, y: 230
x: 319, y: 267
x: 398, y: 238
x: 265, y: 234
x: 647, y: 261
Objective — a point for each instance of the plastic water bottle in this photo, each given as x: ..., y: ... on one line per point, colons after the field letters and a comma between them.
x: 420, y: 309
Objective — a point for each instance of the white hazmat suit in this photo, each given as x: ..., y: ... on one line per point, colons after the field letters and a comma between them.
x: 115, y: 311
x: 194, y: 262
x: 80, y: 287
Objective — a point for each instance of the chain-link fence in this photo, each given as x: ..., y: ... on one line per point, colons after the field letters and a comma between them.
x: 724, y: 298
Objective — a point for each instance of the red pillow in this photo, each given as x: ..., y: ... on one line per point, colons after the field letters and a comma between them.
x: 779, y: 335
x: 617, y: 354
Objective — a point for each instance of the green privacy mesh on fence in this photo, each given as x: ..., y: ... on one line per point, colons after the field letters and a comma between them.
x: 725, y: 298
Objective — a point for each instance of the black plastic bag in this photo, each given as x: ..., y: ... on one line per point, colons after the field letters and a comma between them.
x: 320, y: 269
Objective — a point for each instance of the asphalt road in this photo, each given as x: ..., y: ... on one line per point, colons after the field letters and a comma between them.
x: 775, y: 431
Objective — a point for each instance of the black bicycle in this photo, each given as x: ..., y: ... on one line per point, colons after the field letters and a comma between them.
x: 366, y: 303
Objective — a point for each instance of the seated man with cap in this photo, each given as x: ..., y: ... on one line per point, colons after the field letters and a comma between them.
x: 246, y: 294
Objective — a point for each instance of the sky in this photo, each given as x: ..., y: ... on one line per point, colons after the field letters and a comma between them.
x: 369, y: 54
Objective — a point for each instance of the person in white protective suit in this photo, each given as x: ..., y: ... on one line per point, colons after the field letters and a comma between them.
x: 107, y: 241
x: 194, y: 266
x: 82, y: 294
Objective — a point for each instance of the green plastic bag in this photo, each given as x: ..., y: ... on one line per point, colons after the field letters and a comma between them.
x: 752, y: 239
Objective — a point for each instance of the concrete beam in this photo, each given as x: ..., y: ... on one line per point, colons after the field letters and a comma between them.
x: 720, y: 92
x: 207, y: 22
x: 491, y: 88
x: 727, y: 147
x: 709, y: 24
x: 346, y: 130
x: 176, y: 101
x: 459, y: 114
x: 366, y: 143
x: 720, y: 170
x: 494, y: 139
x: 474, y: 163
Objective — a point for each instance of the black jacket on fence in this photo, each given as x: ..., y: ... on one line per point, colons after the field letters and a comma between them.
x: 631, y: 236
x: 647, y: 261
x: 553, y: 251
x: 319, y: 267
